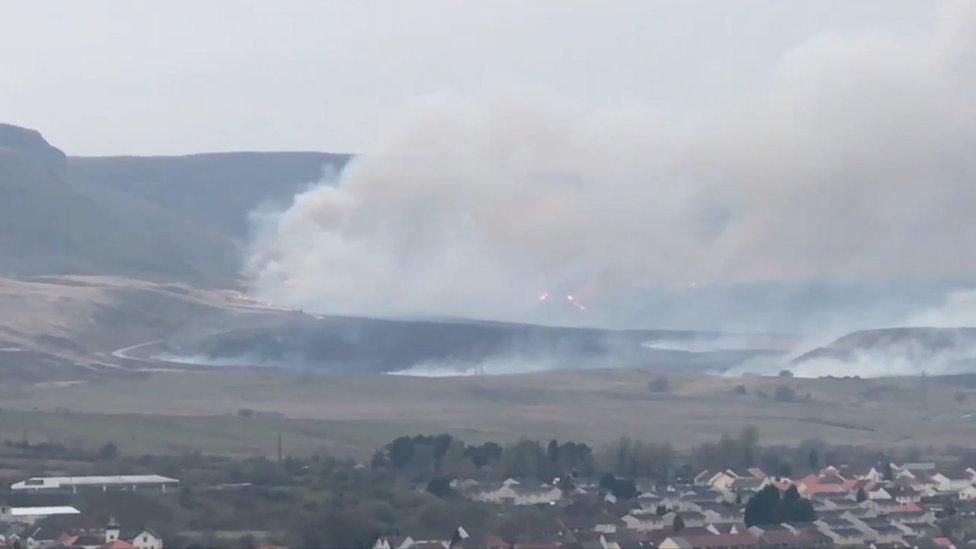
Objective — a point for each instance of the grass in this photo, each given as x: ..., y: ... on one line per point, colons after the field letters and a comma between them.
x: 222, y: 434
x: 351, y: 415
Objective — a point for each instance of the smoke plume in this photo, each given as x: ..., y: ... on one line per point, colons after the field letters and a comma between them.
x: 852, y: 170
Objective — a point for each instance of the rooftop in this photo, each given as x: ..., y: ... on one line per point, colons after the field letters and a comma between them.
x: 35, y: 483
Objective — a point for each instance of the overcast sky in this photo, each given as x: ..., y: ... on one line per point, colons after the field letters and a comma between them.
x: 110, y: 77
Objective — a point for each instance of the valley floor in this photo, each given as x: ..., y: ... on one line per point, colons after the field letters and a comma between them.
x: 242, y: 412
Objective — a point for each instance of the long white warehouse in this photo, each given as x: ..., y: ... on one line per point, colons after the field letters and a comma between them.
x: 117, y: 482
x: 32, y: 514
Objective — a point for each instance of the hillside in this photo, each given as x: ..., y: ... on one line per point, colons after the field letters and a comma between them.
x: 898, y: 351
x: 156, y: 218
x: 438, y: 348
x: 66, y: 328
x: 213, y: 190
x: 48, y: 225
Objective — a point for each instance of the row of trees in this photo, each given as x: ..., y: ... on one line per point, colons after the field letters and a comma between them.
x: 636, y: 458
x: 423, y: 457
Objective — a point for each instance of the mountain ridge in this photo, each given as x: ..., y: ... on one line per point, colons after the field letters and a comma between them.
x: 170, y: 218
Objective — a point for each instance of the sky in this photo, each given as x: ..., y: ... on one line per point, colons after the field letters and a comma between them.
x: 109, y: 78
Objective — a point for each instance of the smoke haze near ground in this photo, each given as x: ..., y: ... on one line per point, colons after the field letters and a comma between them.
x: 847, y: 183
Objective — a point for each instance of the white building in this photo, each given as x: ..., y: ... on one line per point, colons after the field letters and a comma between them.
x: 32, y: 514
x: 147, y: 539
x: 117, y: 482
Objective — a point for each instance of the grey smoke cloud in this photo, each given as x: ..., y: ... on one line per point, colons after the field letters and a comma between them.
x: 853, y: 169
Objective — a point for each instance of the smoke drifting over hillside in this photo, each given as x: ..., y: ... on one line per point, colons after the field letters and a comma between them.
x: 854, y: 169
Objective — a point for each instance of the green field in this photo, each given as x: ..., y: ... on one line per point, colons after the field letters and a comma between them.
x: 219, y: 434
x: 354, y: 414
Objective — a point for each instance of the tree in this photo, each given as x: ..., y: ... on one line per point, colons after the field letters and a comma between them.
x: 739, y: 389
x: 749, y: 441
x: 620, y: 488
x: 400, y: 450
x: 486, y: 454
x: 801, y: 511
x: 788, y: 502
x: 552, y: 452
x: 108, y: 452
x: 960, y: 397
x: 861, y: 495
x: 762, y: 507
x: 767, y: 507
x: 678, y: 524
x: 813, y: 459
x: 524, y: 459
x: 785, y: 373
x: 887, y: 472
x: 440, y: 487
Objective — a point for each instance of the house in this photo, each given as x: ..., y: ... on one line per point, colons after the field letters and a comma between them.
x: 904, y: 494
x: 887, y: 533
x: 723, y: 479
x: 514, y: 492
x: 926, y: 466
x: 691, y: 518
x: 717, y: 513
x: 88, y: 541
x: 873, y: 474
x: 549, y: 541
x: 968, y: 493
x: 703, y: 478
x: 826, y: 481
x: 675, y: 542
x: 146, y: 539
x: 879, y: 494
x: 397, y: 542
x: 42, y: 538
x: 846, y: 537
x: 114, y: 537
x: 738, y: 540
x: 786, y: 537
x: 643, y: 520
x: 943, y: 483
x: 748, y: 485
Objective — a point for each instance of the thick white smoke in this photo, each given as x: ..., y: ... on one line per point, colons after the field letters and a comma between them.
x: 854, y: 166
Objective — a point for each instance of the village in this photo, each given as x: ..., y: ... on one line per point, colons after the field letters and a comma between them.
x: 439, y: 492
x: 900, y: 506
x: 35, y: 527
x: 895, y: 505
